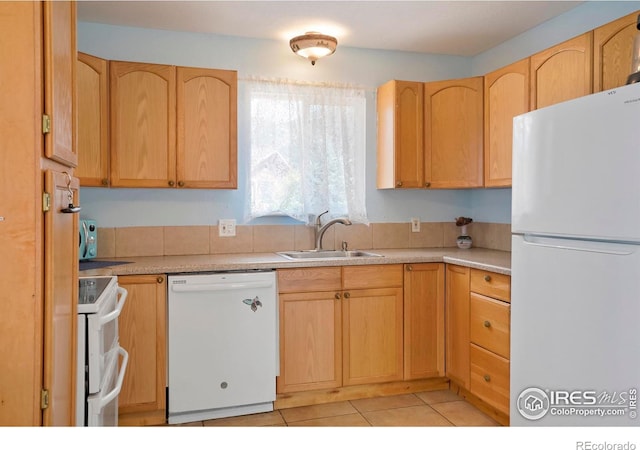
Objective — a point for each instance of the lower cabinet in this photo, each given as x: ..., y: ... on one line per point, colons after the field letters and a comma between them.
x: 424, y: 321
x: 340, y: 326
x: 478, y: 334
x: 142, y: 323
x: 457, y: 326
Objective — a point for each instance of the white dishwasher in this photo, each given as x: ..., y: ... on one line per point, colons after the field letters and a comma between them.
x: 223, y: 345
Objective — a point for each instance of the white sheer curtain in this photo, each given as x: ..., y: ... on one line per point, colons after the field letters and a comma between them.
x: 307, y: 150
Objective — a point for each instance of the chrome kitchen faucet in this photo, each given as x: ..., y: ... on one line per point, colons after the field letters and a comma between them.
x: 321, y: 229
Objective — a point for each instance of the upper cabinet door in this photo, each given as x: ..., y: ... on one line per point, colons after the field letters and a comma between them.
x: 562, y: 72
x: 60, y: 81
x: 93, y: 114
x: 453, y: 133
x: 143, y: 102
x: 400, y: 107
x: 207, y: 128
x: 506, y: 95
x: 612, y: 52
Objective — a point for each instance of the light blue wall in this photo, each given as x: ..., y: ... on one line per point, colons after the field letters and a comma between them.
x: 367, y: 68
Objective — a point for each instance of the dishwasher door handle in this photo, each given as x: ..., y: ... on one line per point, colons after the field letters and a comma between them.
x: 215, y: 287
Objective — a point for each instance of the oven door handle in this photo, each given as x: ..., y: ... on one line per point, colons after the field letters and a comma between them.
x: 113, y: 315
x: 104, y: 401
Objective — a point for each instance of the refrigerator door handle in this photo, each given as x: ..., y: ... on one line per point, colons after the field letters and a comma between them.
x: 610, y: 248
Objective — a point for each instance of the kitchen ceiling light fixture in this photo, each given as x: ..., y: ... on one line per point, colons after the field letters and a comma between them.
x: 313, y: 45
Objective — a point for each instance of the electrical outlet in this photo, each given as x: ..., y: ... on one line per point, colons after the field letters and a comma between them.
x: 415, y: 225
x: 227, y: 227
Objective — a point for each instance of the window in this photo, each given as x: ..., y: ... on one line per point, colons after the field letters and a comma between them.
x: 307, y: 150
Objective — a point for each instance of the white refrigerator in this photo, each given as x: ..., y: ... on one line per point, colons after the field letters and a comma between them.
x: 575, y: 308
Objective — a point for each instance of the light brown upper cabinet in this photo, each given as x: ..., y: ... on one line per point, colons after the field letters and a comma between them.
x: 612, y: 52
x: 93, y: 116
x: 400, y: 135
x: 207, y: 128
x: 453, y: 133
x: 506, y: 95
x: 143, y: 144
x: 59, y: 121
x: 151, y: 104
x: 562, y: 72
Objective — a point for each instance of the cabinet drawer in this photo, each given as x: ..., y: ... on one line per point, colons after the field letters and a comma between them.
x: 489, y: 324
x: 312, y: 279
x: 490, y: 377
x: 373, y: 276
x: 491, y: 284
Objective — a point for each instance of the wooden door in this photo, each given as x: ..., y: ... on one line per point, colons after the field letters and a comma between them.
x: 562, y: 72
x: 457, y: 324
x: 21, y: 218
x: 453, y: 133
x: 60, y: 299
x: 310, y: 341
x: 207, y: 128
x: 93, y: 115
x: 613, y: 51
x: 60, y: 80
x: 142, y: 121
x: 372, y: 336
x: 423, y: 321
x: 506, y: 95
x: 143, y: 334
x: 400, y: 135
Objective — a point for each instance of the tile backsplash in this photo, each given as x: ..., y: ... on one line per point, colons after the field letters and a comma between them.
x: 203, y: 240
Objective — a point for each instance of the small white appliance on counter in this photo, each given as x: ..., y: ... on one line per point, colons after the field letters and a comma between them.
x: 223, y: 345
x: 99, y: 373
x: 575, y: 298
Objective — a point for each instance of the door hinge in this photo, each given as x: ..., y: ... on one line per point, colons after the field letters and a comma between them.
x: 46, y: 201
x: 46, y: 124
x: 44, y: 399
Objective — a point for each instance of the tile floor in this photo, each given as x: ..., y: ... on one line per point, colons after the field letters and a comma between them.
x: 433, y: 408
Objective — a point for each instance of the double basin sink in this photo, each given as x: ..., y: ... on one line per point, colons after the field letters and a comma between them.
x: 327, y: 254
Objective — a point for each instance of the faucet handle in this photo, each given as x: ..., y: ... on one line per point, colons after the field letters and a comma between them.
x: 318, y: 222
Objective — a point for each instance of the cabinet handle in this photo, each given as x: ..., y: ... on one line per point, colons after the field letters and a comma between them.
x: 160, y: 279
x: 409, y: 268
x: 104, y: 182
x: 487, y: 323
x: 171, y: 183
x: 399, y: 184
x: 427, y: 184
x: 347, y: 295
x: 337, y: 296
x: 180, y: 183
x: 487, y: 378
x: 487, y: 278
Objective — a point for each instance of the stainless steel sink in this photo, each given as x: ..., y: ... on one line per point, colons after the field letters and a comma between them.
x: 328, y: 254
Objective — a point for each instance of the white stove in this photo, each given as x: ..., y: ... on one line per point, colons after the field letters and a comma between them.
x: 100, y: 375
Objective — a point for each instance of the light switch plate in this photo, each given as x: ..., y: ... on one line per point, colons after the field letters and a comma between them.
x: 415, y: 225
x: 227, y: 227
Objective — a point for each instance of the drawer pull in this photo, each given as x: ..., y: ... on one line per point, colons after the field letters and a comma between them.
x: 487, y: 278
x: 409, y: 268
x: 487, y: 378
x: 160, y: 279
x: 347, y: 295
x: 337, y: 296
x: 487, y: 324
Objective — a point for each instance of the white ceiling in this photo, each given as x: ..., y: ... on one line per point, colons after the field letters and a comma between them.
x: 463, y: 28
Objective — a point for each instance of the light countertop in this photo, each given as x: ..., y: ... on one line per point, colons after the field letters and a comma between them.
x: 479, y: 258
